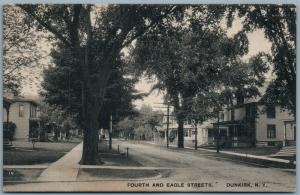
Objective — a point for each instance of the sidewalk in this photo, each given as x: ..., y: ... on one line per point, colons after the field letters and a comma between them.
x: 65, y: 169
x: 249, y: 157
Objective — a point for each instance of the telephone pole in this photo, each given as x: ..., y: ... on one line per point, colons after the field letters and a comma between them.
x: 218, y: 135
x: 110, y: 133
x: 168, y: 118
x: 196, y: 136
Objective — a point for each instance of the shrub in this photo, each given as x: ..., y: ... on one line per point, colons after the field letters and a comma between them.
x: 9, y: 130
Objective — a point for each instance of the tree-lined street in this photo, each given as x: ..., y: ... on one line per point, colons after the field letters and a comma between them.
x: 184, y: 166
x: 216, y: 93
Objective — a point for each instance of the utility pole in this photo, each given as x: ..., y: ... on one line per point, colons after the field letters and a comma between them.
x: 218, y: 135
x: 168, y: 119
x: 110, y: 133
x: 196, y: 136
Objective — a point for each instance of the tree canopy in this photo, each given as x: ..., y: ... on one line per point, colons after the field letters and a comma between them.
x: 279, y: 25
x: 61, y: 87
x: 21, y: 52
x: 197, y: 62
x: 95, y: 36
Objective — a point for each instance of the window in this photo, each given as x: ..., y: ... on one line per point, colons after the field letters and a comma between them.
x: 271, y: 131
x: 186, y: 133
x: 240, y: 99
x: 21, y: 110
x: 271, y: 113
x: 32, y: 111
x: 222, y: 117
x: 232, y: 114
x: 251, y: 111
x: 211, y: 132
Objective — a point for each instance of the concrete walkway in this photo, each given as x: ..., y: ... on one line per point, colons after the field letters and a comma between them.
x: 65, y: 169
x: 268, y: 158
x: 251, y: 156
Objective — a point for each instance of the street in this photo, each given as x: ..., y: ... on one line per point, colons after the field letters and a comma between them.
x: 180, y: 170
x: 196, y: 166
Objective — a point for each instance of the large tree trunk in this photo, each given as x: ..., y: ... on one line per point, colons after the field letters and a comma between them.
x: 180, y: 143
x: 91, y: 102
x: 90, y: 138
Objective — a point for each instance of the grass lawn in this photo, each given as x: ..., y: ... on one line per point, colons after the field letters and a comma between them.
x: 112, y: 157
x: 44, y: 152
x: 13, y: 175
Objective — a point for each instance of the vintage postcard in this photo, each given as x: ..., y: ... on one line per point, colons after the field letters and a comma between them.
x: 149, y: 98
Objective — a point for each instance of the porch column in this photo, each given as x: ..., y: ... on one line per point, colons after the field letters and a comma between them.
x: 165, y: 138
x: 284, y: 140
x: 7, y: 107
x: 7, y: 115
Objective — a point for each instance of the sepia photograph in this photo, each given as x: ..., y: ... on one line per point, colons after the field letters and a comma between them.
x: 149, y: 97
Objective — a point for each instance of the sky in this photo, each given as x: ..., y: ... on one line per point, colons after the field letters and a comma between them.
x: 257, y: 43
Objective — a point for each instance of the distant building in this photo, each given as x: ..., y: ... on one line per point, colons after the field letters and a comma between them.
x: 256, y: 124
x: 189, y: 132
x: 24, y: 113
x: 247, y: 124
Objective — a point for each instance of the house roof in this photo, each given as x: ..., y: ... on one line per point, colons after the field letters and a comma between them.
x: 19, y: 99
x: 7, y: 101
x: 26, y: 100
x: 255, y: 100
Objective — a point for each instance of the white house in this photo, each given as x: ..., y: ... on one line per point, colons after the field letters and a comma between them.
x: 256, y: 124
x: 243, y: 125
x: 24, y: 113
x: 189, y: 132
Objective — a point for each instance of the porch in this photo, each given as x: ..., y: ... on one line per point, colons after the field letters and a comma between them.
x: 233, y: 134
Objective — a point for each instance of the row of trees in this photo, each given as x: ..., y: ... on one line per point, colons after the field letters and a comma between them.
x: 141, y: 126
x: 56, y: 120
x: 184, y: 46
x: 199, y: 66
